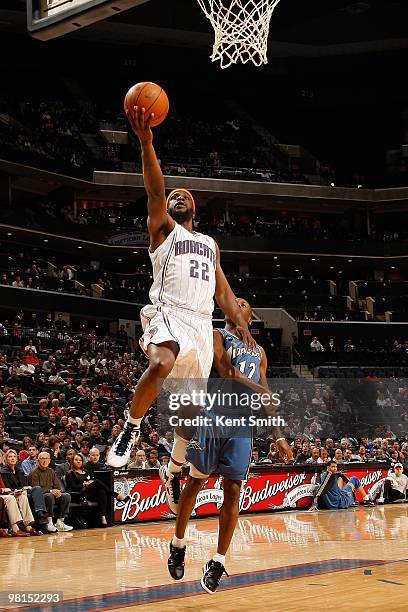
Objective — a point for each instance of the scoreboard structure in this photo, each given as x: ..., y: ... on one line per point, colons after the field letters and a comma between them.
x: 48, y: 19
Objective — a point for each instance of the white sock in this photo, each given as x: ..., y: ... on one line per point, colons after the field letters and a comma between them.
x: 178, y: 454
x: 133, y: 421
x: 173, y: 468
x: 178, y: 542
x: 219, y: 558
x: 366, y: 498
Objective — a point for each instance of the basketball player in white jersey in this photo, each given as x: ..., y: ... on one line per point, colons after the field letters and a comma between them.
x: 177, y: 325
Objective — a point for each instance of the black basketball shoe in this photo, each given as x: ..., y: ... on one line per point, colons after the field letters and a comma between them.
x: 175, y: 562
x: 212, y: 573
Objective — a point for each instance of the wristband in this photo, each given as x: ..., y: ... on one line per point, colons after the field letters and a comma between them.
x: 279, y: 439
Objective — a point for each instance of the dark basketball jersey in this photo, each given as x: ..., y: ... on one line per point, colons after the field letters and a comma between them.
x: 246, y: 361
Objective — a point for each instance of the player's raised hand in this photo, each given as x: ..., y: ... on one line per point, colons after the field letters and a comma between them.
x: 140, y: 124
x: 245, y: 335
x: 284, y: 450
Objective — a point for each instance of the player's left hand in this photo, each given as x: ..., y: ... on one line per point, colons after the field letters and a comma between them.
x: 245, y: 335
x: 284, y: 450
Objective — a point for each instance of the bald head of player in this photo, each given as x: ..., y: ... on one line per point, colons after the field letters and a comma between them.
x: 181, y: 206
x: 246, y: 311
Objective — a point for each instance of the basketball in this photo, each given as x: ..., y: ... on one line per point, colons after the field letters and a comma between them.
x: 151, y: 97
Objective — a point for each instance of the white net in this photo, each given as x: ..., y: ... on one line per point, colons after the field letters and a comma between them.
x: 241, y: 29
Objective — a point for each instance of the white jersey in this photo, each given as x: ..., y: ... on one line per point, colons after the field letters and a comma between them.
x: 184, y: 272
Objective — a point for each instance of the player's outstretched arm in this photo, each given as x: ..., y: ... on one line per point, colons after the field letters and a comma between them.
x: 159, y: 221
x: 227, y: 301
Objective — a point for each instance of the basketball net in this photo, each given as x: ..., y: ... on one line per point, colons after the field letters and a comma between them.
x: 241, y: 29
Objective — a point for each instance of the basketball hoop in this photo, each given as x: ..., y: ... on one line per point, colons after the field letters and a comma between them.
x: 241, y: 29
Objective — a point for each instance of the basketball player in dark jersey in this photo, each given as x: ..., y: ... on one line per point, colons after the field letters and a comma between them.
x: 224, y: 447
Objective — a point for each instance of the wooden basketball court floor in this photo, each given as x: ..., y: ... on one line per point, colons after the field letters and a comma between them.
x: 354, y: 559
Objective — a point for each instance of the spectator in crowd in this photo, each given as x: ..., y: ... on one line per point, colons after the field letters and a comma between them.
x: 138, y: 460
x: 395, y: 485
x: 167, y: 442
x: 304, y: 454
x: 79, y: 481
x: 315, y: 456
x: 46, y: 478
x: 94, y: 462
x: 60, y: 323
x: 349, y: 346
x: 14, y: 479
x: 84, y: 450
x: 316, y: 346
x: 152, y: 460
x: 30, y: 463
x: 19, y: 514
x: 63, y: 468
x: 31, y: 347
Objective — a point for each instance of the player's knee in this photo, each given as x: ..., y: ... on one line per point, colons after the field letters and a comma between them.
x: 160, y: 366
x: 232, y: 490
x: 355, y: 481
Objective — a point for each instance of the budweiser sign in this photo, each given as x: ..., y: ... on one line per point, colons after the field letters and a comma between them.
x: 265, y: 490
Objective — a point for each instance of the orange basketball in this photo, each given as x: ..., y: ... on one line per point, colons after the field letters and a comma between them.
x: 151, y: 97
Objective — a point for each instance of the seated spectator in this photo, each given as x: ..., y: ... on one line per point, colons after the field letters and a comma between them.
x: 31, y: 347
x: 24, y: 453
x: 55, y: 378
x: 152, y: 462
x: 116, y: 429
x: 137, y: 459
x: 56, y: 455
x: 30, y: 463
x: 19, y: 512
x: 62, y: 469
x: 106, y: 430
x: 83, y: 388
x: 39, y: 440
x: 46, y: 478
x: 79, y: 481
x: 14, y: 479
x: 56, y: 408
x: 167, y: 442
x: 49, y: 365
x: 341, y: 492
x: 94, y: 462
x: 95, y: 411
x: 154, y: 443
x: 304, y: 454
x: 324, y: 455
x: 84, y: 450
x: 395, y: 485
x: 315, y: 456
x: 316, y: 346
x: 255, y: 458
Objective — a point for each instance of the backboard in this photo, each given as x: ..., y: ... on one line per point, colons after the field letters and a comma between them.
x: 51, y: 18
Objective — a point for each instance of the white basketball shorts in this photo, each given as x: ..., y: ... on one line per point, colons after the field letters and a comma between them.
x: 194, y: 335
